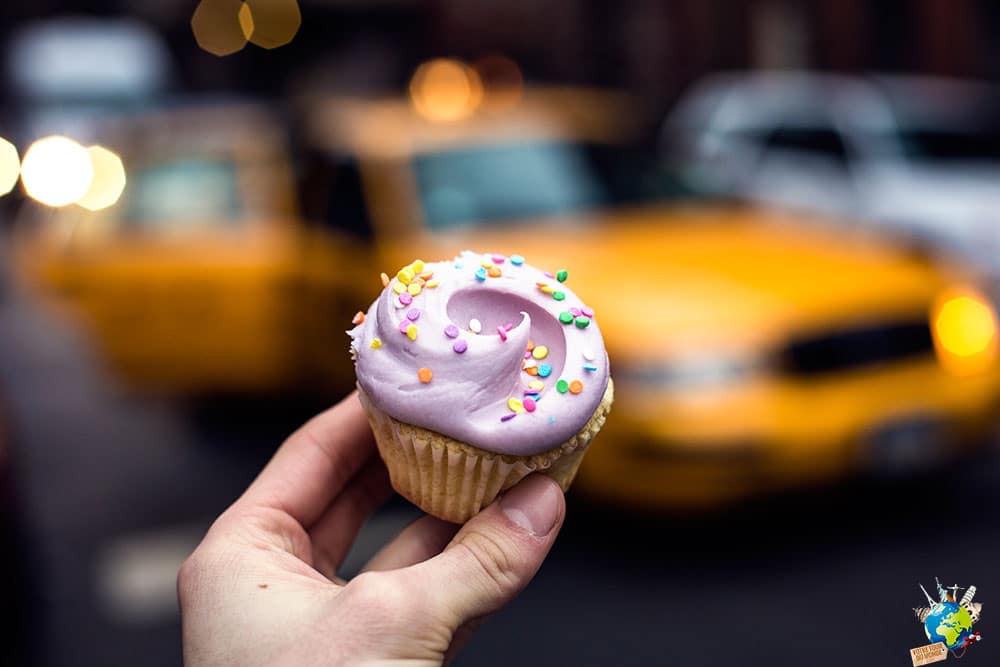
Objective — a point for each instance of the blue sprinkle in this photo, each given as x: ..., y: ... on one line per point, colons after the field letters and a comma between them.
x: 552, y: 420
x: 516, y: 260
x: 458, y: 265
x: 544, y: 371
x: 589, y: 367
x: 481, y: 273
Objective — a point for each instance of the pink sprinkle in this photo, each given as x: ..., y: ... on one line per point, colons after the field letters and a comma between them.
x: 527, y: 355
x: 508, y: 326
x: 406, y: 298
x: 413, y: 315
x: 502, y: 332
x: 588, y: 312
x: 531, y: 392
x: 403, y: 326
x: 451, y: 331
x: 575, y: 312
x: 460, y: 346
x: 499, y: 259
x: 549, y: 275
x: 529, y: 404
x: 508, y: 417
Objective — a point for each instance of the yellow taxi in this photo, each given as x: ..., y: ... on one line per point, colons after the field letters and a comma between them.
x: 751, y: 350
x: 203, y: 278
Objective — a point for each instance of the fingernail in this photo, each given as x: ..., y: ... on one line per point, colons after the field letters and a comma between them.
x: 533, y: 504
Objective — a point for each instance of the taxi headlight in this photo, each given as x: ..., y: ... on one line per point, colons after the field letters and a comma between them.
x: 965, y: 331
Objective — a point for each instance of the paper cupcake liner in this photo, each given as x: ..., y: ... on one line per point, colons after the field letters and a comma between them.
x: 453, y: 480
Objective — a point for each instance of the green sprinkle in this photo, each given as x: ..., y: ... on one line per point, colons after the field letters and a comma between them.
x: 562, y: 275
x: 562, y: 386
x: 558, y: 296
x: 566, y: 317
x: 583, y: 322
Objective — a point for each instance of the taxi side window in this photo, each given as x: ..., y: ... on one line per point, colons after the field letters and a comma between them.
x: 331, y: 195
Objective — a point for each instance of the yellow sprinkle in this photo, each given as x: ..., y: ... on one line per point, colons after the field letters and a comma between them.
x: 376, y: 344
x: 417, y: 266
x: 398, y: 288
x: 433, y: 283
x: 486, y: 264
x: 540, y: 352
x: 411, y: 332
x: 414, y: 289
x: 515, y: 405
x: 536, y: 384
x: 547, y: 289
x: 405, y: 275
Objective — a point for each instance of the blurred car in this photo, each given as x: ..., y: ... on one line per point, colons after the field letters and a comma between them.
x: 751, y: 350
x: 918, y: 156
x: 203, y: 278
x: 67, y: 75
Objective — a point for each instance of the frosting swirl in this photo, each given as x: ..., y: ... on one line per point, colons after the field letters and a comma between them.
x: 484, y: 349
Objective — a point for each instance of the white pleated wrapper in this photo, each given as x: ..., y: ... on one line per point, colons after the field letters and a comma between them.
x: 453, y: 480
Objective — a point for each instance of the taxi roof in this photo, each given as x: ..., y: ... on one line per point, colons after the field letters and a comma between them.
x: 392, y: 127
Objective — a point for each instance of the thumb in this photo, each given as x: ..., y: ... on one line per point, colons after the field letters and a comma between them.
x: 496, y: 553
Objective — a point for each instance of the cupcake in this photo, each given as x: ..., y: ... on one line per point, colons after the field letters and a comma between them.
x: 475, y: 373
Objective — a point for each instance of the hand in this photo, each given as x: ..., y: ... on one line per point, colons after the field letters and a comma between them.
x: 261, y: 588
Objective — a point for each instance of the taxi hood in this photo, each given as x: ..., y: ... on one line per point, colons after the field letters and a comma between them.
x: 672, y: 278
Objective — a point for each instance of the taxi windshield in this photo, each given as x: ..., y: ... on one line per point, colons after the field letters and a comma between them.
x: 183, y: 193
x: 493, y: 183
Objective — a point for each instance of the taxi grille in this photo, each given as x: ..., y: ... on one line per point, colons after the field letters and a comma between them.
x: 858, y: 347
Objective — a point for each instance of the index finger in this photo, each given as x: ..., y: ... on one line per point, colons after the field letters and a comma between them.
x: 311, y: 468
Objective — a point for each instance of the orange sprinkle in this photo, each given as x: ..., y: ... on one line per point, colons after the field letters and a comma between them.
x: 531, y: 345
x: 425, y: 375
x: 531, y: 370
x: 359, y: 317
x: 385, y: 280
x: 575, y: 387
x: 427, y: 275
x: 420, y: 281
x: 494, y: 272
x: 542, y: 284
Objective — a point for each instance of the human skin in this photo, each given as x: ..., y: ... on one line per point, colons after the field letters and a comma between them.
x: 262, y: 588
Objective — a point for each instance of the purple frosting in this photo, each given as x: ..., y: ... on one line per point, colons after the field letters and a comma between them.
x: 479, y: 382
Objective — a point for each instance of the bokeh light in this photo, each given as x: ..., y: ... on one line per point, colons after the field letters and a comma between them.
x: 108, y: 182
x: 503, y: 83
x: 10, y: 166
x: 445, y: 90
x: 965, y: 330
x: 218, y: 26
x: 273, y: 23
x: 56, y: 171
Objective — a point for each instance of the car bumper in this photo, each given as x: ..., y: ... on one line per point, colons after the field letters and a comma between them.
x: 711, y: 448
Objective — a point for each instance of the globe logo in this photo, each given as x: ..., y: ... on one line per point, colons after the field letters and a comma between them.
x: 950, y: 623
x: 949, y: 620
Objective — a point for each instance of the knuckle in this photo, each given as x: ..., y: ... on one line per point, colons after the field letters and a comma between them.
x: 494, y: 559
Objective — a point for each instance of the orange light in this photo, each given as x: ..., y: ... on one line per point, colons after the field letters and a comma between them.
x: 965, y: 329
x: 56, y: 171
x: 109, y: 180
x: 270, y: 23
x: 503, y: 84
x: 445, y: 90
x: 220, y: 26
